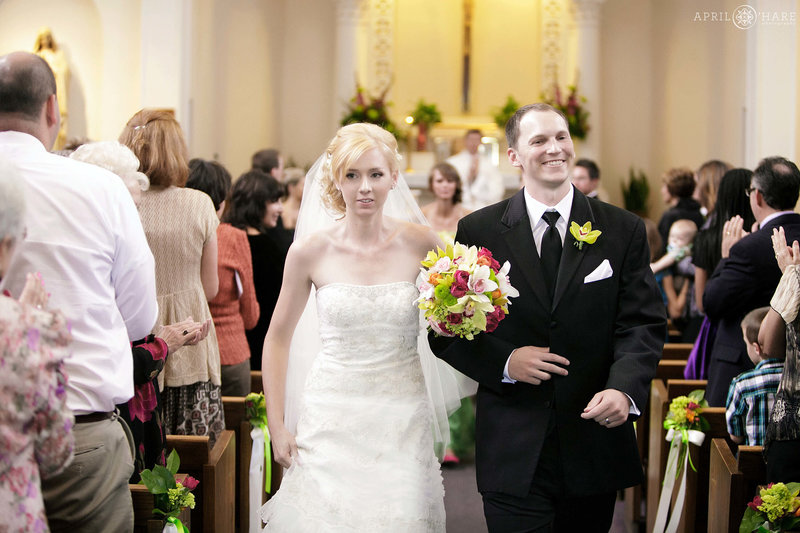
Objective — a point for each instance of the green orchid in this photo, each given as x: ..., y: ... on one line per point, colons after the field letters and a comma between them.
x: 584, y: 234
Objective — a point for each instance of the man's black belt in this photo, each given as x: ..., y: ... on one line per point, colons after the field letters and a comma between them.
x: 93, y: 417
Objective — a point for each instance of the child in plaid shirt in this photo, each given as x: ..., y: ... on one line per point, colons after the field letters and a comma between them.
x: 752, y: 393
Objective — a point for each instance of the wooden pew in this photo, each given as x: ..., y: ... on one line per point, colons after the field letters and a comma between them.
x: 256, y: 385
x: 676, y: 350
x: 215, y: 468
x: 236, y: 420
x: 732, y: 484
x: 143, y: 519
x: 670, y: 369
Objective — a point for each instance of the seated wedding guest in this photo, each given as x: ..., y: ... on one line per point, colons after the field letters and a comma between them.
x: 35, y: 423
x: 780, y: 334
x: 747, y: 275
x: 269, y: 161
x: 708, y: 177
x: 481, y: 180
x: 446, y: 209
x: 84, y: 235
x: 294, y: 180
x: 180, y: 225
x: 143, y: 412
x: 752, y: 393
x: 234, y: 308
x: 731, y: 201
x: 679, y: 280
x: 676, y: 191
x: 255, y: 207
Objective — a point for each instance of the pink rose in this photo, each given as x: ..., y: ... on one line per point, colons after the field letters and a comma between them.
x: 459, y: 287
x: 491, y: 263
x: 454, y: 318
x: 190, y: 483
x: 494, y: 318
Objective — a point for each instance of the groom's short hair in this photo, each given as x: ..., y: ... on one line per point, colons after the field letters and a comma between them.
x: 512, y: 126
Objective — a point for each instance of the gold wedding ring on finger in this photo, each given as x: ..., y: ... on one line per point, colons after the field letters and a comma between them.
x: 606, y: 422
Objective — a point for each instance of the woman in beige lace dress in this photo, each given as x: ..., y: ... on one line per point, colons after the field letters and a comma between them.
x: 180, y: 225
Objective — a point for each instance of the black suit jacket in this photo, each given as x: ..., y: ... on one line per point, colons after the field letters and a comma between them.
x: 611, y: 330
x: 744, y: 281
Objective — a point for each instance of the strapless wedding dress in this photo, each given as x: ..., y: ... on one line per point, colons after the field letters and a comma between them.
x: 366, y: 453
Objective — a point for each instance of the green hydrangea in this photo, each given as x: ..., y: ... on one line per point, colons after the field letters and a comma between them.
x: 778, y: 501
x: 678, y: 409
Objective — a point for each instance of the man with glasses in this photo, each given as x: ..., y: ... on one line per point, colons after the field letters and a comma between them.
x: 748, y: 274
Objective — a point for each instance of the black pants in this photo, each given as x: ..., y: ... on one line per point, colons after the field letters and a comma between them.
x: 547, y: 508
x: 783, y: 461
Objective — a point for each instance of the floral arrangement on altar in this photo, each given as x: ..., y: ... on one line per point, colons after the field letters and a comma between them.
x: 170, y: 496
x: 425, y: 115
x: 366, y: 108
x: 464, y: 291
x: 776, y: 508
x: 573, y: 108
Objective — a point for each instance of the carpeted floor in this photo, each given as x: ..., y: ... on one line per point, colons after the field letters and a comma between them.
x: 464, y: 506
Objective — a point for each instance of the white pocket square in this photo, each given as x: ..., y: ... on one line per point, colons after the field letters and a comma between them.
x: 603, y: 271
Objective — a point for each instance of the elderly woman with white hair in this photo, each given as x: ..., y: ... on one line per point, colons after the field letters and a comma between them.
x: 143, y: 412
x: 35, y: 424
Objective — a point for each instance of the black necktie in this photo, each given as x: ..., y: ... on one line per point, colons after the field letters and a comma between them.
x: 551, y: 250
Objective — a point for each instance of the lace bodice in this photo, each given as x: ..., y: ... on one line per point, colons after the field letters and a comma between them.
x: 368, y: 324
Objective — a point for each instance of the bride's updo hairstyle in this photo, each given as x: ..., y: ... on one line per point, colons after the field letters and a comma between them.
x: 349, y: 144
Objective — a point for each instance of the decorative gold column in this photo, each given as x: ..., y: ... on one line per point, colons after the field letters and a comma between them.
x: 587, y: 26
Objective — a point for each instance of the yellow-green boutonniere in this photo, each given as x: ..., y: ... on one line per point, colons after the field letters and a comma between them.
x: 584, y: 234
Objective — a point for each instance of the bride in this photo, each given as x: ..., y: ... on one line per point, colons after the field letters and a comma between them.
x: 362, y: 455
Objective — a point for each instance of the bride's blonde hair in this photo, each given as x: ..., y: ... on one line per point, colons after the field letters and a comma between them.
x: 350, y: 143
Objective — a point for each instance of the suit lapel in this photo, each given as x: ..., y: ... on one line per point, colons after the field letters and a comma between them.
x: 518, y: 235
x: 571, y: 256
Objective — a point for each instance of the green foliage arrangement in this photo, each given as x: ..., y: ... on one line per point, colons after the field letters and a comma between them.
x: 501, y: 115
x: 775, y: 509
x: 426, y: 113
x: 635, y: 192
x: 170, y: 496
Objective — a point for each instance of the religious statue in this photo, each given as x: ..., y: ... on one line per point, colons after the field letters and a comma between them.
x: 46, y: 48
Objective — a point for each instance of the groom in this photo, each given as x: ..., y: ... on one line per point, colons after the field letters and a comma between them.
x: 569, y: 369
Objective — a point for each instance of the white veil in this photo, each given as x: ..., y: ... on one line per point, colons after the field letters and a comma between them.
x: 445, y: 385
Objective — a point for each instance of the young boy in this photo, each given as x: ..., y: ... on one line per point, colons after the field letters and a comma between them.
x: 752, y: 393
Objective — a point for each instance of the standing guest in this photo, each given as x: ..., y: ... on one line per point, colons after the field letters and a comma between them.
x: 269, y: 161
x: 35, y: 424
x: 708, y: 177
x: 676, y: 191
x: 779, y: 334
x: 752, y: 393
x: 446, y: 209
x: 572, y: 363
x: 586, y: 178
x: 235, y: 307
x: 481, y: 179
x: 255, y: 208
x: 143, y: 412
x: 180, y: 225
x: 747, y: 275
x: 85, y: 237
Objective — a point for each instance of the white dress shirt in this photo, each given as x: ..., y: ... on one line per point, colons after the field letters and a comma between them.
x: 85, y: 237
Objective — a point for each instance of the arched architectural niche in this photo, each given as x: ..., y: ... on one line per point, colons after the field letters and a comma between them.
x: 75, y: 27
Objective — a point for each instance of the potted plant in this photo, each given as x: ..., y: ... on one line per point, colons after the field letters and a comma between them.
x: 636, y: 192
x: 503, y: 114
x: 425, y: 115
x: 170, y: 495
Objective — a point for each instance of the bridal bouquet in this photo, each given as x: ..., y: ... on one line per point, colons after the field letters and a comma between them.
x: 464, y: 291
